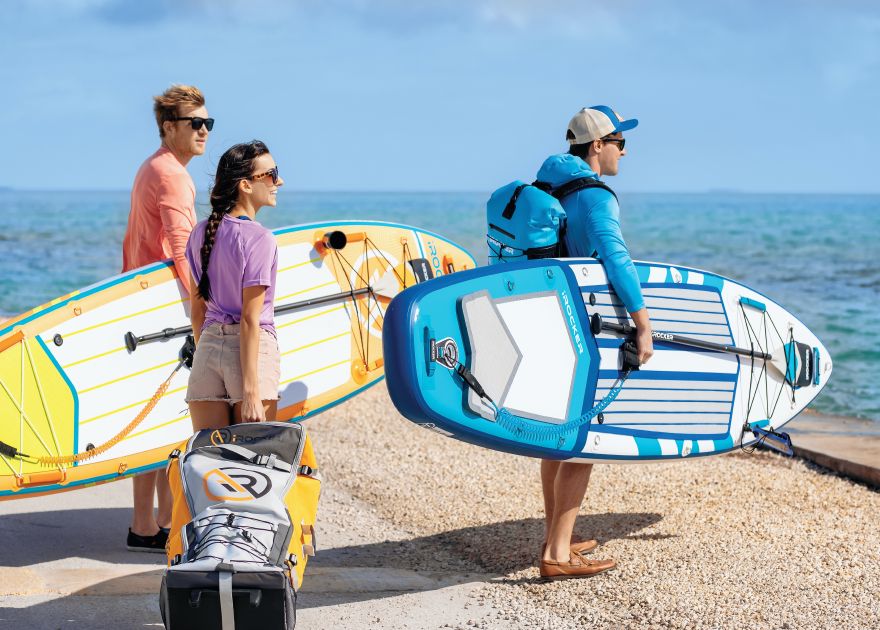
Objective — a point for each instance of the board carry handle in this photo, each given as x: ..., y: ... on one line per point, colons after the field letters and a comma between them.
x: 41, y: 478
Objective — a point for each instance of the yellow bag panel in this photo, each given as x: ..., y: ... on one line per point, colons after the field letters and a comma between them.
x: 180, y: 514
x: 302, y: 502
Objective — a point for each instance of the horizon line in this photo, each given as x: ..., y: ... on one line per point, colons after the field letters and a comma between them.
x: 708, y: 191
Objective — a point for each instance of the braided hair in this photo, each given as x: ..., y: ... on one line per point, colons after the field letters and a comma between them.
x: 235, y: 165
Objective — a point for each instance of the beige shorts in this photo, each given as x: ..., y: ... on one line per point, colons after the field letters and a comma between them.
x: 216, y: 371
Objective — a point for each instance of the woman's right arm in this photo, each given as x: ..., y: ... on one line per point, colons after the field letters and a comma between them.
x: 197, y: 309
x: 252, y: 299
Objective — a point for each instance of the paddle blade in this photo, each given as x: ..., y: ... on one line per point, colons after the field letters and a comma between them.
x: 387, y: 286
x: 796, y: 362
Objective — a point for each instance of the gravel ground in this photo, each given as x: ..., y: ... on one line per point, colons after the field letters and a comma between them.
x: 751, y: 541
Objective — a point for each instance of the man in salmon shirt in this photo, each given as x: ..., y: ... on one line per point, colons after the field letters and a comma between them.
x: 161, y: 219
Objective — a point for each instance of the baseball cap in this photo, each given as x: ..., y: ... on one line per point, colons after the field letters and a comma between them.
x: 592, y: 123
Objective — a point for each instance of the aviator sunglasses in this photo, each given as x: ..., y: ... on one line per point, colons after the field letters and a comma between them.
x: 272, y: 172
x: 197, y: 121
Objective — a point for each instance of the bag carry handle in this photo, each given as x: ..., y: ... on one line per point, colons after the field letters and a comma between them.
x: 255, y: 596
x: 269, y: 461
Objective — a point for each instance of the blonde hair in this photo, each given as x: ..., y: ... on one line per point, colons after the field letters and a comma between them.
x: 165, y: 105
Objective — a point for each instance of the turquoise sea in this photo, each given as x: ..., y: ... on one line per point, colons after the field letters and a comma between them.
x: 816, y: 255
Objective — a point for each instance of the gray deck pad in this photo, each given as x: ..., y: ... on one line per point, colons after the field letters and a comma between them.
x: 494, y: 354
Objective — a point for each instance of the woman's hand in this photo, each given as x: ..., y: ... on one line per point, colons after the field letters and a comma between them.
x: 252, y: 409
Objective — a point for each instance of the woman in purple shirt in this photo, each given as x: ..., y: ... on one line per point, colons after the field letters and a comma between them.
x: 234, y: 262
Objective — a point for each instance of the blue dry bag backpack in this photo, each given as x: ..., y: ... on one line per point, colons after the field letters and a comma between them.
x: 526, y: 221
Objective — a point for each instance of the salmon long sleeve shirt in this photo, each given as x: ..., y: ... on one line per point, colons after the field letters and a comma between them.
x: 162, y: 215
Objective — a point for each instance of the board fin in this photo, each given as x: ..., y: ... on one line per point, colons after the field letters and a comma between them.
x: 780, y: 442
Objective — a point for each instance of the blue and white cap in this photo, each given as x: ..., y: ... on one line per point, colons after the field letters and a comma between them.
x: 592, y: 123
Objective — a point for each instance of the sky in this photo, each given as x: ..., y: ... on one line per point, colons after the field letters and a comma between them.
x: 456, y: 95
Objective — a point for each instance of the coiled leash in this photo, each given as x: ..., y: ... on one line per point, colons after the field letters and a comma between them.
x: 527, y: 428
x: 186, y: 356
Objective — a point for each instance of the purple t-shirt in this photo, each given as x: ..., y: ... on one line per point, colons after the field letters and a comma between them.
x: 244, y: 255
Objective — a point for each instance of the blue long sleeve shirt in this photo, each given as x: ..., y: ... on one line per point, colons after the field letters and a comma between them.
x: 594, y: 226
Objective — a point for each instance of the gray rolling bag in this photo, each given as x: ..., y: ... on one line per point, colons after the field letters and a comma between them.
x: 245, y: 500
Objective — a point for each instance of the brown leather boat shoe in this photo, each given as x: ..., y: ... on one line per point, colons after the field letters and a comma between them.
x: 577, y: 566
x: 585, y: 546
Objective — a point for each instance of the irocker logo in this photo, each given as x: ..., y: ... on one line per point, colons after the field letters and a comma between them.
x: 572, y: 322
x: 236, y: 484
x: 225, y: 436
x: 221, y: 436
x: 435, y: 258
x: 662, y: 335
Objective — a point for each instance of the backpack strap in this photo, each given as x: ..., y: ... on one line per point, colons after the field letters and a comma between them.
x: 510, y: 208
x: 575, y: 185
x: 563, y: 191
x: 224, y: 590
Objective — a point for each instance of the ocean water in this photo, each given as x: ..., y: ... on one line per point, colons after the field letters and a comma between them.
x: 816, y: 255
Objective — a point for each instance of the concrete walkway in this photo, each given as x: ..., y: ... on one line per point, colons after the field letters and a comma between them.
x: 848, y: 446
x: 63, y: 564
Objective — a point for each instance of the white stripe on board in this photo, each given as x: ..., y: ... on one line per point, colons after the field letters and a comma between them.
x: 668, y: 447
x: 608, y: 311
x: 682, y: 294
x: 665, y: 418
x: 690, y: 328
x: 669, y: 406
x: 610, y: 444
x: 668, y: 395
x: 677, y: 361
x: 654, y: 302
x: 681, y: 429
x: 635, y: 382
x: 657, y: 274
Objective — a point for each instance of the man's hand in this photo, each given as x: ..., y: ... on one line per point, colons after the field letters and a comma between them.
x: 645, y: 344
x: 644, y: 341
x: 188, y: 351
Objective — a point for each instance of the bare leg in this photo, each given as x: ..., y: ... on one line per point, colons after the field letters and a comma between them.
x: 210, y: 414
x: 163, y: 493
x: 549, y: 468
x: 143, y: 519
x: 270, y: 408
x: 569, y: 490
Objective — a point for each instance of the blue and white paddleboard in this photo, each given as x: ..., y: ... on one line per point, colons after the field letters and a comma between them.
x: 526, y: 358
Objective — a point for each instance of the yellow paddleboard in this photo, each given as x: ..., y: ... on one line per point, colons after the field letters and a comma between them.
x: 78, y: 373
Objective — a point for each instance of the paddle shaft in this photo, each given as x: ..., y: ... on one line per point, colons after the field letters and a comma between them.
x: 170, y: 333
x: 626, y: 329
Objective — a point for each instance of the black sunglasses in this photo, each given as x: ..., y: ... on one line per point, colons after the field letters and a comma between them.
x: 620, y: 142
x: 272, y: 172
x: 197, y: 122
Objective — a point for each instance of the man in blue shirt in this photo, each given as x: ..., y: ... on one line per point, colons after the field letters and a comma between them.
x: 597, y: 144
